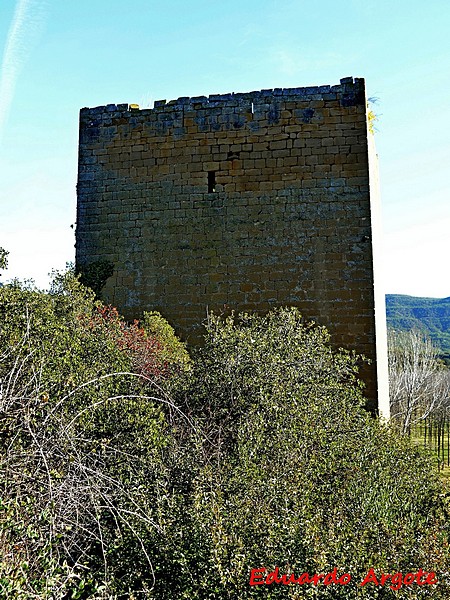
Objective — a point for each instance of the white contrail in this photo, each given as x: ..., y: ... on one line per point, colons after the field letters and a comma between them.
x: 25, y: 27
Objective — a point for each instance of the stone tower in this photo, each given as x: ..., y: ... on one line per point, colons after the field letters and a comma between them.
x: 238, y: 201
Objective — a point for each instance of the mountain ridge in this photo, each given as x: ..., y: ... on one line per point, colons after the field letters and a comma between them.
x: 431, y: 315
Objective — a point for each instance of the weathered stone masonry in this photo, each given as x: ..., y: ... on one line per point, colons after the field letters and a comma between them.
x: 237, y: 201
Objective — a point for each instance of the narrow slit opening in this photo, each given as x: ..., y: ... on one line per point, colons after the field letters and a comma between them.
x: 211, y: 182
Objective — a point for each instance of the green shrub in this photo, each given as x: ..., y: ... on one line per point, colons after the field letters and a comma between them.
x: 124, y: 478
x: 172, y: 350
x: 3, y: 258
x: 81, y: 438
x: 289, y: 470
x: 95, y: 274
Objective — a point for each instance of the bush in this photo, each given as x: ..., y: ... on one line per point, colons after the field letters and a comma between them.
x: 3, y: 258
x: 81, y: 437
x: 289, y: 470
x: 128, y: 471
x: 172, y: 350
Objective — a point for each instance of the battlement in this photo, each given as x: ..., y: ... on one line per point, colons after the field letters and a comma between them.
x: 241, y: 201
x: 349, y: 91
x: 251, y: 110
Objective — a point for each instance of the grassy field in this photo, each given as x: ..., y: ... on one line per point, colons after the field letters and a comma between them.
x: 441, y: 451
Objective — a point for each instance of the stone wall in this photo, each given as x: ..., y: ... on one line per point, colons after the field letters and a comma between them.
x: 237, y: 201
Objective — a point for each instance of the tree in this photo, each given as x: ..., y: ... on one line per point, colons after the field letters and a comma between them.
x: 122, y: 478
x: 418, y: 381
x: 3, y: 259
x: 81, y: 437
x: 285, y: 468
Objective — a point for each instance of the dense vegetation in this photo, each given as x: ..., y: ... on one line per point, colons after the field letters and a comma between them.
x: 430, y: 315
x: 419, y: 386
x: 129, y: 470
x: 80, y: 422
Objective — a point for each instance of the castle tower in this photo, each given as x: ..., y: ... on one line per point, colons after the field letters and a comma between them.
x: 238, y: 202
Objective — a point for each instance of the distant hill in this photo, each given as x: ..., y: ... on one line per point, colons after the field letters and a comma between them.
x: 432, y: 315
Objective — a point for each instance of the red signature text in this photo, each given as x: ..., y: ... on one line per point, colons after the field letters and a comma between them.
x: 258, y: 577
x: 395, y: 581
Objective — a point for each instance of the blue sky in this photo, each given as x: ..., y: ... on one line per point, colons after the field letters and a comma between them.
x: 58, y: 57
